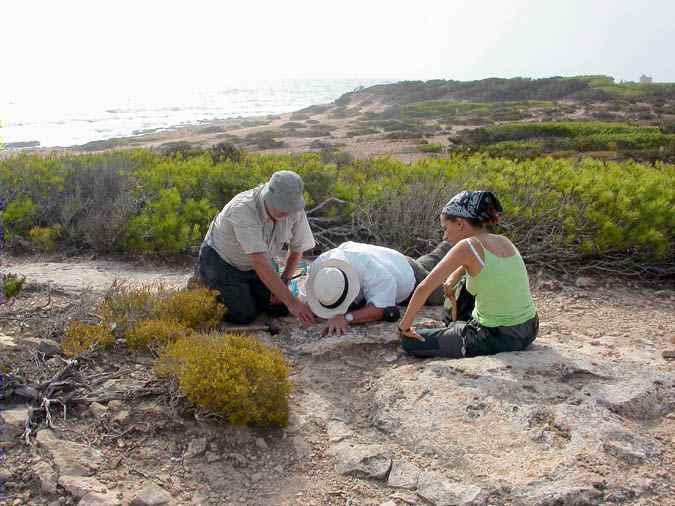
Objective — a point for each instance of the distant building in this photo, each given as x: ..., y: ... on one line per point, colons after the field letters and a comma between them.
x: 645, y: 79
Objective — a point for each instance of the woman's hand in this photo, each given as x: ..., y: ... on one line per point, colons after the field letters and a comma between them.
x: 449, y: 288
x: 411, y: 333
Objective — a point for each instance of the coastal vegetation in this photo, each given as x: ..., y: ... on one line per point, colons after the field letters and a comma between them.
x: 599, y: 87
x: 567, y: 213
x: 534, y: 139
x: 248, y: 381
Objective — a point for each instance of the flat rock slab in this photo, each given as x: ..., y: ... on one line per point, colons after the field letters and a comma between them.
x: 79, y: 486
x: 439, y: 491
x: 364, y: 461
x: 403, y: 475
x: 376, y: 333
x: 71, y: 459
x: 96, y: 499
x: 639, y: 399
x: 631, y: 448
x: 556, y: 495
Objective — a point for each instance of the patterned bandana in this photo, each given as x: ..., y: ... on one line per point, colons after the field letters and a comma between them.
x: 472, y: 205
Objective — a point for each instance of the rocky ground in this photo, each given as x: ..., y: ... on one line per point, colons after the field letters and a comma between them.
x: 585, y: 416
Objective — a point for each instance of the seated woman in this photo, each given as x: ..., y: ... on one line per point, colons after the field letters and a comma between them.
x: 504, y: 317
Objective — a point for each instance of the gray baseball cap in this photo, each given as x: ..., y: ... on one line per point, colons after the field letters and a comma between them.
x: 284, y: 191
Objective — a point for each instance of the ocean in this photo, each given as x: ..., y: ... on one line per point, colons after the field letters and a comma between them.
x: 66, y: 120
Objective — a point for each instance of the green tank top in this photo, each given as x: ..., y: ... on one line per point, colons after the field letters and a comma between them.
x: 502, y: 291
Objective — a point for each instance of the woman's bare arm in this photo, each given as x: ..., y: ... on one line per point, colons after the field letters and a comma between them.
x: 451, y: 262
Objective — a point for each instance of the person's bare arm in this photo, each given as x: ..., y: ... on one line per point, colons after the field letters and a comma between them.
x: 291, y: 264
x: 338, y: 324
x: 451, y: 263
x: 273, y: 282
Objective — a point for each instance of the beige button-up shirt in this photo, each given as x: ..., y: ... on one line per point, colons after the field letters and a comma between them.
x: 244, y: 227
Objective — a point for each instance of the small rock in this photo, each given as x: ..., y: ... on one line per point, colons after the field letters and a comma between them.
x: 434, y: 488
x: 584, y: 282
x: 122, y: 417
x: 668, y: 354
x: 49, y: 347
x: 115, y: 405
x: 260, y: 443
x: 256, y: 477
x: 367, y: 461
x: 12, y: 423
x: 71, y: 458
x: 302, y: 449
x: 390, y: 358
x: 338, y: 430
x: 403, y: 475
x: 388, y: 503
x: 53, y: 362
x: 151, y: 495
x: 630, y: 448
x: 195, y: 448
x: 212, y: 457
x: 46, y: 476
x: 406, y: 498
x: 97, y: 410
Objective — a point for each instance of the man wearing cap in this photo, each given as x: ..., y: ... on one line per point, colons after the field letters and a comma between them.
x: 251, y: 230
x: 359, y: 283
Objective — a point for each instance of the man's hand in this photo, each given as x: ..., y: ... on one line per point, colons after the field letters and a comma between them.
x: 302, y: 312
x: 336, y: 326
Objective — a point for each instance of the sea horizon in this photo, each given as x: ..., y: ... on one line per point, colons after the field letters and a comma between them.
x: 68, y: 119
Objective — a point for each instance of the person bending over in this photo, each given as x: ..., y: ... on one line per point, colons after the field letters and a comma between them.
x: 504, y: 317
x: 359, y: 283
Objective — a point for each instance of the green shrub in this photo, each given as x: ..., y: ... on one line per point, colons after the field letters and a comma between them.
x: 230, y: 375
x: 182, y: 149
x: 80, y: 337
x: 12, y: 285
x: 43, y: 239
x: 152, y: 335
x: 169, y: 225
x: 224, y: 151
x: 293, y: 125
x: 430, y: 148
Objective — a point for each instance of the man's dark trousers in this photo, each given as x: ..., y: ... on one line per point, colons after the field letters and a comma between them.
x: 242, y: 292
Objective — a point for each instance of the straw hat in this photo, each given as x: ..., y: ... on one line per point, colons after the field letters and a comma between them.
x: 331, y: 288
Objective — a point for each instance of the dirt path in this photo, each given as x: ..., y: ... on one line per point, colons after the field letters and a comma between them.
x: 583, y: 417
x: 79, y: 274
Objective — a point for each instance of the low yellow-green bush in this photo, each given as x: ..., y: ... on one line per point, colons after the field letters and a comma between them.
x: 81, y: 336
x: 196, y: 309
x: 231, y: 375
x: 43, y: 239
x: 123, y: 306
x: 150, y: 335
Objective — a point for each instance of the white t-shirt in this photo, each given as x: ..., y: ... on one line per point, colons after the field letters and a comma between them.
x: 385, y: 274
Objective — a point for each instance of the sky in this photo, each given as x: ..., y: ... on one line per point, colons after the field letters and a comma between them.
x: 85, y: 47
